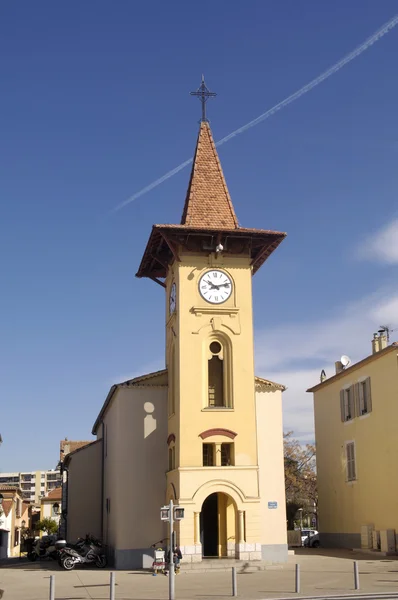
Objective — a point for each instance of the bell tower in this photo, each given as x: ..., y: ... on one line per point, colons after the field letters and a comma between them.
x: 205, y: 265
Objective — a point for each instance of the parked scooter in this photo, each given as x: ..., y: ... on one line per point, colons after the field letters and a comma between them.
x: 45, y: 548
x: 89, y: 552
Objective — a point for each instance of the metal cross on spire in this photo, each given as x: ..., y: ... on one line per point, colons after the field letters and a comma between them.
x: 203, y: 93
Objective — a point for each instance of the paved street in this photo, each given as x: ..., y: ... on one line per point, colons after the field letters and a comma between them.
x: 322, y: 574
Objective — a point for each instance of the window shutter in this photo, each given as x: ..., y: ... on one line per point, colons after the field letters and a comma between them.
x: 342, y: 412
x: 352, y: 402
x: 348, y: 459
x: 353, y: 466
x: 357, y: 401
x: 369, y: 395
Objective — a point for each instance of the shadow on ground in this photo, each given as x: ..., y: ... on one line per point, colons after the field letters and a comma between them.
x: 344, y: 553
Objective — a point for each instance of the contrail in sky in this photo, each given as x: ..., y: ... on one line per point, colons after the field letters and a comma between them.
x: 306, y: 88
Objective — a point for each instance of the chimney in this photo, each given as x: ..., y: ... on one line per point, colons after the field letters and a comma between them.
x: 382, y: 341
x: 339, y: 367
x: 375, y: 343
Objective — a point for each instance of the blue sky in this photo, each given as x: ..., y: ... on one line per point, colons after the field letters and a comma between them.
x: 95, y: 105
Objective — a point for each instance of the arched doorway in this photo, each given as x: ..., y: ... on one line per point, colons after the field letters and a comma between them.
x: 218, y: 526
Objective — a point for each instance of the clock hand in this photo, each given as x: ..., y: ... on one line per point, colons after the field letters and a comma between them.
x: 215, y: 287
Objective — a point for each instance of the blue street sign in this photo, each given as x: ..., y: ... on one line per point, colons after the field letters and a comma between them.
x: 272, y: 505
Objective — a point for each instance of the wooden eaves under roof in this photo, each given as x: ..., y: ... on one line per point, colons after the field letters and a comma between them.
x: 165, y: 242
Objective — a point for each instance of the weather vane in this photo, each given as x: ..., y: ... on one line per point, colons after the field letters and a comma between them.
x: 203, y: 93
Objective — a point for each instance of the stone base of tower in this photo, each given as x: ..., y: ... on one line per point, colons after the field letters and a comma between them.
x: 242, y: 551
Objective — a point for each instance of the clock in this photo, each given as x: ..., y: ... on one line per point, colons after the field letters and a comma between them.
x: 215, y: 286
x: 172, y: 299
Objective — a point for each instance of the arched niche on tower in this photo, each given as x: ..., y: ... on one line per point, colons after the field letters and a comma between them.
x: 217, y: 371
x: 172, y: 373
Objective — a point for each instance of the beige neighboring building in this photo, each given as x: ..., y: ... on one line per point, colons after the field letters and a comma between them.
x: 204, y: 432
x: 356, y: 416
x: 51, y: 505
x: 14, y: 516
x: 82, y: 492
x: 34, y: 484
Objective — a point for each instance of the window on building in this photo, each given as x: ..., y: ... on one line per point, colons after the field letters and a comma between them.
x: 216, y: 376
x: 27, y: 477
x: 347, y: 404
x: 9, y: 480
x: 350, y: 459
x: 365, y: 398
x: 208, y: 455
x: 172, y: 458
x: 172, y: 369
x: 226, y: 455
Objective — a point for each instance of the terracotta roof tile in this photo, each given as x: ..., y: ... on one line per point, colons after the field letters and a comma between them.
x: 7, y: 505
x: 4, y: 487
x: 208, y: 203
x: 55, y: 494
x: 67, y: 446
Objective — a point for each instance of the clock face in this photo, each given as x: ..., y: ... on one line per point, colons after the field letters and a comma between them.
x: 172, y: 299
x: 215, y: 286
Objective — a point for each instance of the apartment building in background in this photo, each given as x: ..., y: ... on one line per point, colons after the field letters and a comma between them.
x: 356, y: 416
x: 34, y: 484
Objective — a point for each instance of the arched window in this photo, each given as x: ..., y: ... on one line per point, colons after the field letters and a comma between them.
x: 216, y: 392
x: 172, y: 451
x: 172, y: 379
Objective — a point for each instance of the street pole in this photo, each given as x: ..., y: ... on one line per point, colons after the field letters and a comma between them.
x: 171, y: 563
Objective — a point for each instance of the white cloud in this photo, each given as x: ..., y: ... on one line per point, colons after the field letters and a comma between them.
x: 382, y: 245
x: 295, y: 355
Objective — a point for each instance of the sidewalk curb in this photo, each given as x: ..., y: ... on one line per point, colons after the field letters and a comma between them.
x: 367, y: 596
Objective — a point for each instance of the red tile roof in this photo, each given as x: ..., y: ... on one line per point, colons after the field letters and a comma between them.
x: 55, y: 494
x: 208, y: 203
x: 71, y: 446
x: 208, y: 220
x: 7, y: 505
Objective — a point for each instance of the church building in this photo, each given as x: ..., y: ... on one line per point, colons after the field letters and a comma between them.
x: 205, y: 431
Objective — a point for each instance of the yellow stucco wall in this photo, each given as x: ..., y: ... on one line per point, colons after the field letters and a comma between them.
x: 372, y: 499
x: 190, y: 330
x: 84, y: 493
x: 195, y: 324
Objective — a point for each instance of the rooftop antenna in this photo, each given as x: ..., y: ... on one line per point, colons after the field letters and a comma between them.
x: 387, y: 330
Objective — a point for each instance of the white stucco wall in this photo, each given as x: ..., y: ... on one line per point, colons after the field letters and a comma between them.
x: 271, y: 467
x: 47, y: 511
x: 135, y: 467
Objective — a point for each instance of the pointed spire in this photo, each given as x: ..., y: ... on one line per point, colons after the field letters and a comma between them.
x: 208, y: 203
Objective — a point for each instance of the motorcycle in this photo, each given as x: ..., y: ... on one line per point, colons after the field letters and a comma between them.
x: 90, y: 552
x: 45, y: 548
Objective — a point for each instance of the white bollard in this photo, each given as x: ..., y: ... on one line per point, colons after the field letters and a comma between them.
x: 112, y: 587
x: 234, y: 582
x: 52, y: 587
